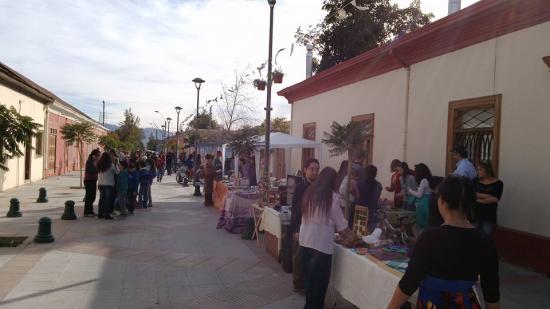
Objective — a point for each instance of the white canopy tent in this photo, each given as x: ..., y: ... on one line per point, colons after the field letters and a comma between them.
x: 284, y: 141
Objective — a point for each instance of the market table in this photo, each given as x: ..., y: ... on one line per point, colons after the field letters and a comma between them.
x: 271, y: 223
x: 236, y: 210
x: 363, y: 280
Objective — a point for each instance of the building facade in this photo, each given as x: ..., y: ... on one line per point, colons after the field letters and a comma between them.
x: 475, y: 78
x: 47, y: 154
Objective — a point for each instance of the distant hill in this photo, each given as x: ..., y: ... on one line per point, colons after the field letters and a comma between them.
x: 146, y: 131
x: 111, y: 127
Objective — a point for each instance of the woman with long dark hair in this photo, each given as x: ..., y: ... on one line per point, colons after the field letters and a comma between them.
x: 90, y: 183
x: 489, y: 191
x: 106, y: 184
x: 422, y: 195
x: 447, y: 261
x: 408, y: 182
x: 321, y: 218
x: 395, y: 184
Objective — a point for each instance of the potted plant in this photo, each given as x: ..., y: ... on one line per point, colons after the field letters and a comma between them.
x: 260, y: 84
x: 278, y: 76
x: 278, y: 73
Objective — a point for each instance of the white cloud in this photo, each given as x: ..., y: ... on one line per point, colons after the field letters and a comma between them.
x: 144, y: 54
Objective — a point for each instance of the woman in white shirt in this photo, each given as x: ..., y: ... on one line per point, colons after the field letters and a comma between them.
x: 422, y: 195
x: 321, y: 218
x: 408, y: 182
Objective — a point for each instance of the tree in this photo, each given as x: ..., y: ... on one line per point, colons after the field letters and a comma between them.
x: 79, y: 133
x: 350, y: 30
x: 15, y: 130
x: 346, y: 139
x: 236, y: 102
x: 278, y: 124
x: 110, y: 141
x: 243, y: 141
x: 152, y: 143
x: 129, y: 131
x: 204, y: 121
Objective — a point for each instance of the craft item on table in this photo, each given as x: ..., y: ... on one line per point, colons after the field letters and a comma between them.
x: 397, y: 248
x: 400, y: 266
x: 386, y: 255
x: 361, y: 251
x: 374, y: 238
x: 360, y: 220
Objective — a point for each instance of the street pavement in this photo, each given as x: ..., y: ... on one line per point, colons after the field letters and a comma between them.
x: 168, y: 256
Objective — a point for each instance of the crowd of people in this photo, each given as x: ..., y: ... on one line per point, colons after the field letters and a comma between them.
x: 455, y: 217
x: 123, y: 180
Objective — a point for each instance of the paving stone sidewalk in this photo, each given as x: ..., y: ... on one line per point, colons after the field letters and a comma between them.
x: 168, y: 256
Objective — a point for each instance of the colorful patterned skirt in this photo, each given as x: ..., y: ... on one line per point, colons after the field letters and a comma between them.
x: 435, y: 293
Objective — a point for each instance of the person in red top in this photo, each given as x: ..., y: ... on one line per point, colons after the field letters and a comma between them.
x: 395, y: 184
x: 160, y: 165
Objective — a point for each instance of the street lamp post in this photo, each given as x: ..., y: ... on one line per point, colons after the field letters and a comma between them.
x: 163, y: 128
x: 178, y: 110
x: 269, y: 84
x: 198, y: 82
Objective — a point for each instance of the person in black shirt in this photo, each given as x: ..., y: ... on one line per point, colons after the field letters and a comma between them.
x: 369, y: 195
x: 447, y: 261
x: 489, y: 191
x: 311, y: 171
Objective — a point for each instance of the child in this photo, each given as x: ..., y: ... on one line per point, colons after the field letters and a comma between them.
x: 122, y: 187
x: 143, y: 185
x: 133, y: 184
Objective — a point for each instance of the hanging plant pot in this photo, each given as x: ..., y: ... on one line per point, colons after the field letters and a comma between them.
x: 278, y: 77
x: 260, y: 84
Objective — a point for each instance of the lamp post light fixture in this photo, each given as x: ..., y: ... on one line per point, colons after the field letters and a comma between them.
x: 269, y: 84
x: 198, y: 82
x: 178, y: 110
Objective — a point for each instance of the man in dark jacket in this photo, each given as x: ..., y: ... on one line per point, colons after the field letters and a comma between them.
x: 90, y: 182
x: 311, y: 170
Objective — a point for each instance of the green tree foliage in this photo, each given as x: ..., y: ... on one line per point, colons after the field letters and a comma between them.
x: 204, y: 121
x: 129, y: 131
x: 342, y: 36
x: 278, y: 124
x: 152, y: 143
x: 345, y: 139
x: 15, y: 131
x: 111, y: 141
x: 243, y: 141
x: 79, y: 133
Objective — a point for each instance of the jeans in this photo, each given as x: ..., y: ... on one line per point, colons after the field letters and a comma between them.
x: 160, y: 173
x: 485, y: 226
x: 317, y: 266
x: 132, y: 201
x: 91, y: 189
x: 122, y: 201
x: 297, y: 265
x: 143, y: 194
x: 105, y: 204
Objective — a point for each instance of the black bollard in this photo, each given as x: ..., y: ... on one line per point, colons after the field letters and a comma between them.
x: 44, y: 231
x: 42, y: 196
x: 14, y: 211
x: 69, y: 214
x: 197, y: 190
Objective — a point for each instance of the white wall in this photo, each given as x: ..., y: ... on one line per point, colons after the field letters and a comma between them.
x: 28, y: 107
x: 510, y: 65
x: 382, y: 95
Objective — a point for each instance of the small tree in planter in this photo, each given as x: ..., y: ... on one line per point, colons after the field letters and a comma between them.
x: 278, y: 73
x: 15, y: 131
x: 79, y: 133
x: 346, y: 139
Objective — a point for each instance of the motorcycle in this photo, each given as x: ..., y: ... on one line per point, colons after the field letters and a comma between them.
x: 183, y: 175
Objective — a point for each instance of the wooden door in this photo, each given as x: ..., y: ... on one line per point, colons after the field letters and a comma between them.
x: 309, y: 134
x: 52, y: 147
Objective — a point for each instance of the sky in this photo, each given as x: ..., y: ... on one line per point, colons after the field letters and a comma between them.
x: 143, y: 54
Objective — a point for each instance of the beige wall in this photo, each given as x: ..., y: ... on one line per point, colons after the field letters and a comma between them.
x: 382, y: 95
x: 510, y: 65
x: 28, y: 107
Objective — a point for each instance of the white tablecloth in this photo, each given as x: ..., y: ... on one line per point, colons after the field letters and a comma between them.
x: 361, y: 281
x: 271, y: 222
